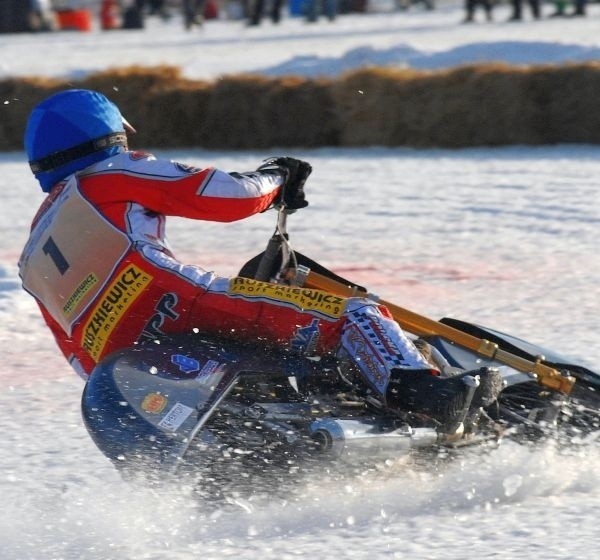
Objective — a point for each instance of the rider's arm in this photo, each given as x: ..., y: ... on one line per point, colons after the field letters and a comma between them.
x: 174, y: 189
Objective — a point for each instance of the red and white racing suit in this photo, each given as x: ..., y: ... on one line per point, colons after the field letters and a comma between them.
x: 99, y: 266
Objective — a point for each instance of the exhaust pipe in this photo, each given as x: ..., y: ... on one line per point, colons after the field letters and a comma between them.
x: 340, y: 438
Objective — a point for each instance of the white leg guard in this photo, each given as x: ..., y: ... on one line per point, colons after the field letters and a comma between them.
x: 376, y: 344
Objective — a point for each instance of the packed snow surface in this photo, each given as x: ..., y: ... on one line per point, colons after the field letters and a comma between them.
x: 505, y: 237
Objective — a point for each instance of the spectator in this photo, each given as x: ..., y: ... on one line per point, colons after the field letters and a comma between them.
x: 517, y: 5
x: 256, y: 11
x: 560, y: 5
x: 41, y: 16
x: 315, y: 7
x: 580, y: 6
x: 559, y: 8
x: 193, y: 13
x: 133, y: 15
x: 406, y: 4
x: 158, y: 8
x: 471, y: 6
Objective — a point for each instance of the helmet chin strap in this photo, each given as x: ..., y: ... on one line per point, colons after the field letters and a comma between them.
x: 58, y: 159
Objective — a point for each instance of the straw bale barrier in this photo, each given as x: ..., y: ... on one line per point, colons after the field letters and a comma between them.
x: 482, y: 105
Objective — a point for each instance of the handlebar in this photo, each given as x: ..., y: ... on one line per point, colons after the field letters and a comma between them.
x: 278, y: 252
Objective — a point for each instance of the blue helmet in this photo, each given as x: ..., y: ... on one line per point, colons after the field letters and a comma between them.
x: 71, y: 130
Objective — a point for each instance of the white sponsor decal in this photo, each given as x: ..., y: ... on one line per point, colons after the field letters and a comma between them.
x: 178, y: 414
x: 210, y: 367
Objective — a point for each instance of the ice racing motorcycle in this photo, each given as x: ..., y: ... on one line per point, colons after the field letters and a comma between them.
x: 220, y: 408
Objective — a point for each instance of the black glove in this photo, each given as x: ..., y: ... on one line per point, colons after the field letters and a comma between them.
x: 296, y: 172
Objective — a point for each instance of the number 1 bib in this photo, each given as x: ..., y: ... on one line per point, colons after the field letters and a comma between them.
x: 71, y: 254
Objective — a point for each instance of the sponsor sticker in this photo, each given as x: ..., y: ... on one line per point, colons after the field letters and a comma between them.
x: 304, y: 299
x: 154, y: 403
x: 365, y: 356
x: 210, y: 367
x: 306, y: 338
x: 88, y: 282
x: 165, y: 309
x: 112, y: 304
x: 136, y: 155
x: 178, y: 414
x: 185, y: 363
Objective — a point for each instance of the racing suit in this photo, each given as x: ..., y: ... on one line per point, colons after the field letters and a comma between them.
x: 98, y: 263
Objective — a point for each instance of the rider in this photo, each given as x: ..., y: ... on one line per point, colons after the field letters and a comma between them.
x: 99, y: 265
